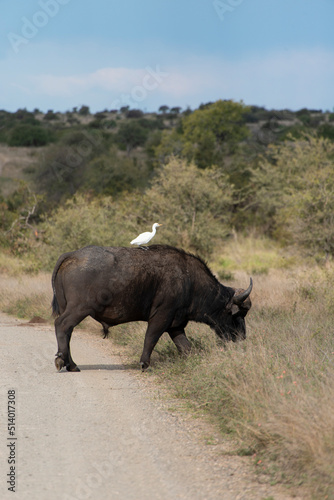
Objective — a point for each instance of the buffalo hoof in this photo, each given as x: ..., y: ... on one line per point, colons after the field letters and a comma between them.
x: 144, y: 366
x: 74, y: 368
x: 59, y: 362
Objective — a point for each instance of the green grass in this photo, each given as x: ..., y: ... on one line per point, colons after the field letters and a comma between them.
x: 250, y: 254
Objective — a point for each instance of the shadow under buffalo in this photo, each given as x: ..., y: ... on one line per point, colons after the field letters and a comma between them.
x: 109, y: 367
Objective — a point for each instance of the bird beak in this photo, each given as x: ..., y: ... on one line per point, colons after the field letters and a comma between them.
x: 160, y: 224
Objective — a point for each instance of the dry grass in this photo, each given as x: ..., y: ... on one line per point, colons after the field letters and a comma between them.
x: 274, y: 392
x: 25, y: 295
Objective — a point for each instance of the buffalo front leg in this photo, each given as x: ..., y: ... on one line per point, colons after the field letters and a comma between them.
x: 156, y: 327
x: 64, y: 326
x: 179, y: 338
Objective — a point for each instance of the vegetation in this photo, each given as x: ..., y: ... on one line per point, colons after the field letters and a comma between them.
x: 271, y: 395
x: 249, y: 189
x: 222, y: 168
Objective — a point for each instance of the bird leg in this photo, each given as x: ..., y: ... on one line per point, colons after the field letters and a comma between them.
x: 143, y: 248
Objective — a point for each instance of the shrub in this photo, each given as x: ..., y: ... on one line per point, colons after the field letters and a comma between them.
x: 50, y: 115
x: 193, y: 204
x: 130, y: 135
x: 293, y: 191
x: 83, y: 221
x: 84, y: 111
x: 134, y: 113
x: 326, y: 130
x: 29, y: 135
x: 112, y: 173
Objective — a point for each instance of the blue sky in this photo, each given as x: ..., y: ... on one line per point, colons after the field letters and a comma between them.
x: 58, y: 54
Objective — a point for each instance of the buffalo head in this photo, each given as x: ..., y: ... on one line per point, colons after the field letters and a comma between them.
x: 232, y: 325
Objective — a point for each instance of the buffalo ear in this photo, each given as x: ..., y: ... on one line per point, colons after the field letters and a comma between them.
x: 234, y: 309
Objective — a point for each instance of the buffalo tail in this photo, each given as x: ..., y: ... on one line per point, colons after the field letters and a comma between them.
x: 55, y: 306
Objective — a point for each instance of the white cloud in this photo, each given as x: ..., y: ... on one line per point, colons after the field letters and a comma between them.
x: 282, y: 79
x: 110, y: 79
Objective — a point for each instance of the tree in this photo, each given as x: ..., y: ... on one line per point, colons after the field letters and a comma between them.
x: 170, y: 144
x: 60, y: 171
x: 85, y: 220
x: 111, y: 174
x: 18, y: 216
x: 50, y: 115
x: 135, y: 113
x: 163, y: 109
x: 84, y: 110
x: 309, y: 212
x: 130, y: 135
x: 214, y: 129
x: 29, y: 135
x: 293, y: 192
x: 193, y: 204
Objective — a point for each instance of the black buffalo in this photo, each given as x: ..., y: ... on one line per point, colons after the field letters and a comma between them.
x: 164, y: 286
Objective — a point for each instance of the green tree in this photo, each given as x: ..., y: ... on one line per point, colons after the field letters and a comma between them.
x: 171, y: 144
x: 84, y: 110
x: 214, y: 130
x: 112, y: 173
x: 50, y: 115
x: 309, y: 212
x: 84, y: 220
x: 130, y: 135
x: 19, y: 214
x: 163, y: 109
x: 61, y: 171
x: 193, y: 204
x: 29, y: 135
x: 293, y: 193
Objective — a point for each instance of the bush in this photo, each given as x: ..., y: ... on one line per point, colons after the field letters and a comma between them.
x: 61, y: 170
x: 84, y: 111
x: 326, y: 130
x: 193, y: 204
x: 293, y: 192
x: 50, y: 115
x: 112, y: 173
x: 29, y: 135
x: 83, y: 221
x: 130, y: 135
x: 213, y: 131
x: 134, y: 113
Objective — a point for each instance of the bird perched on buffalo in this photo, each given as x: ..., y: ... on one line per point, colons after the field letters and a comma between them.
x: 144, y: 238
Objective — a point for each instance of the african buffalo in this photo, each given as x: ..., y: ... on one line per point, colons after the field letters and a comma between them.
x: 164, y: 286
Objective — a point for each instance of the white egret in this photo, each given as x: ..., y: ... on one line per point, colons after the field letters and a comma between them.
x: 144, y: 238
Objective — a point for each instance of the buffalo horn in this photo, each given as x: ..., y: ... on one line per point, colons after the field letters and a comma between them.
x: 241, y: 297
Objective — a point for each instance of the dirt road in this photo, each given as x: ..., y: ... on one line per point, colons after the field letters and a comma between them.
x: 100, y: 433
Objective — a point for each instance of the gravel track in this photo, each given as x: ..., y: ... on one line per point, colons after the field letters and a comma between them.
x: 101, y: 433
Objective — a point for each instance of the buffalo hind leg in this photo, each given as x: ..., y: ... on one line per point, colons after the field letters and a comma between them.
x: 179, y: 338
x: 64, y: 326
